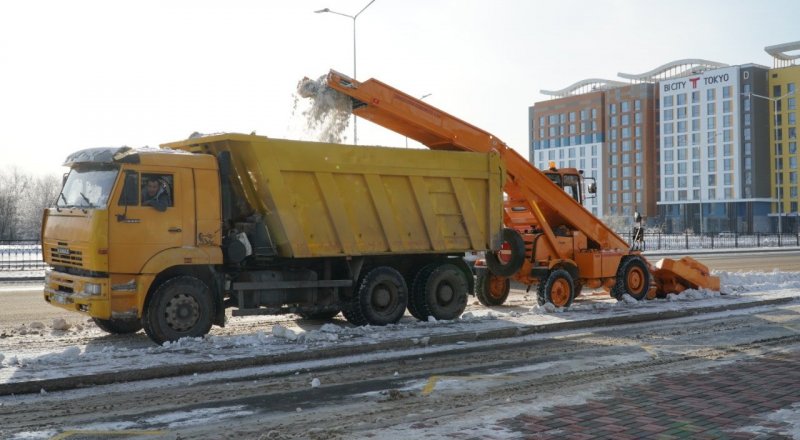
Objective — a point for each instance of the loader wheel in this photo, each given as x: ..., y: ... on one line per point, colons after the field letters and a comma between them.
x: 633, y: 278
x: 179, y: 307
x: 508, y: 260
x: 491, y: 289
x: 558, y: 289
x: 118, y: 326
x: 381, y: 298
x: 439, y: 290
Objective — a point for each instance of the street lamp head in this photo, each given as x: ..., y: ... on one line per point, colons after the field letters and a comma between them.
x: 322, y: 10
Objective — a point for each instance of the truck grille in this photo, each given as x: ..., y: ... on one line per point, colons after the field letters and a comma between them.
x: 65, y: 255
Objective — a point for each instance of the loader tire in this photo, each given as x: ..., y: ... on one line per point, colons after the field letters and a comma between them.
x: 491, y: 289
x: 180, y: 307
x: 633, y: 278
x: 509, y: 259
x: 558, y: 289
x: 439, y: 290
x: 118, y: 326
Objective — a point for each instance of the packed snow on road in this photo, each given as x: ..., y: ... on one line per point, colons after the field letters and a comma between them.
x: 76, y: 347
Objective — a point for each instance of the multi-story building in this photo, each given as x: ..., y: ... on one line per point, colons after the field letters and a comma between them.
x: 708, y: 180
x: 569, y: 131
x: 607, y: 129
x: 784, y: 157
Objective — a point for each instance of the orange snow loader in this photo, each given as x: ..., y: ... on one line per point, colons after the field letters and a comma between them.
x: 549, y: 239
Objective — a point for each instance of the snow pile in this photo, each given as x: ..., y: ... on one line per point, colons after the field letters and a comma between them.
x: 328, y: 114
x: 732, y: 282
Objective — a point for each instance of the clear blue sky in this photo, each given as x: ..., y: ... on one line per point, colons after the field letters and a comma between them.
x: 83, y: 74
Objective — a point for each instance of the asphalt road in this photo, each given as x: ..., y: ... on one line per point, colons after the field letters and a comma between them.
x: 472, y: 391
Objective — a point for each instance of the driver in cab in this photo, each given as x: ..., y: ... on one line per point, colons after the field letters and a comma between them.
x: 155, y: 195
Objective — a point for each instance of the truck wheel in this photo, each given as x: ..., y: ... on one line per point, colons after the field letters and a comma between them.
x: 381, y: 298
x: 633, y: 278
x: 118, y: 326
x: 491, y: 289
x: 558, y: 289
x: 439, y: 290
x: 508, y: 260
x: 179, y: 307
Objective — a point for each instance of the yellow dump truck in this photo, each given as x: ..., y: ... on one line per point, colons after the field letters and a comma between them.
x: 167, y: 239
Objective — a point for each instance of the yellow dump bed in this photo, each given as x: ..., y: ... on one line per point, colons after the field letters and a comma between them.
x: 321, y: 200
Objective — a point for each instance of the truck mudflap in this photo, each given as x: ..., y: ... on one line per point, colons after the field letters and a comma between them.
x: 675, y: 276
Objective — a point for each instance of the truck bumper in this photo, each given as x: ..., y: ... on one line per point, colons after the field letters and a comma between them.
x: 98, y: 297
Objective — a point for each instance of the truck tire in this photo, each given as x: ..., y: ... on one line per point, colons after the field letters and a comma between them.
x: 509, y: 259
x: 179, y: 307
x: 558, y: 288
x: 381, y: 298
x: 491, y: 289
x: 439, y: 290
x: 633, y: 278
x: 118, y: 326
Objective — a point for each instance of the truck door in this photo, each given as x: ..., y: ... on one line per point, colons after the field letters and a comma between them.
x: 147, y: 216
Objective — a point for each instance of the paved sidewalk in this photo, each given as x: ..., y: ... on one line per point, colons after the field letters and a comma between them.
x: 750, y: 399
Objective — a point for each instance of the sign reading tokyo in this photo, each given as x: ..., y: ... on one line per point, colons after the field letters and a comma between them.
x: 693, y: 82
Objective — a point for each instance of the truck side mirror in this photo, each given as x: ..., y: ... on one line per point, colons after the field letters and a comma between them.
x: 592, y: 189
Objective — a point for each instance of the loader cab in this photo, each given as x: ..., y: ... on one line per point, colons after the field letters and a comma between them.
x: 572, y: 181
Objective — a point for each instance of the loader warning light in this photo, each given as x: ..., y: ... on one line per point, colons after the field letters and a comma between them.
x: 553, y: 166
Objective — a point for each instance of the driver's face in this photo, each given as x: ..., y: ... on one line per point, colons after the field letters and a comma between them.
x: 152, y: 188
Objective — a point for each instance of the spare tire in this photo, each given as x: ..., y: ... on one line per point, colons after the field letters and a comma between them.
x: 508, y: 260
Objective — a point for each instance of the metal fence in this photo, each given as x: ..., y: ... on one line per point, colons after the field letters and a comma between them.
x: 654, y: 241
x: 21, y: 255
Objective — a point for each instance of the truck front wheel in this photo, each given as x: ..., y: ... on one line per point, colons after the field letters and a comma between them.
x: 179, y: 307
x: 118, y: 326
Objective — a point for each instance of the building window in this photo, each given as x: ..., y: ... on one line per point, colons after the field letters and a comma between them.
x: 712, y: 193
x: 776, y: 91
x: 612, y: 109
x: 695, y: 96
x: 711, y: 108
x: 681, y: 113
x: 637, y: 105
x: 791, y: 104
x: 637, y: 118
x: 711, y: 94
x: 747, y: 119
x: 727, y: 179
x: 712, y: 179
x: 571, y: 116
x: 726, y: 92
x: 695, y: 111
x: 681, y: 126
x: 668, y: 101
x: 668, y: 115
x: 790, y: 88
x: 624, y: 106
x: 669, y: 128
x: 682, y: 99
x: 727, y: 106
x: 695, y: 125
x: 625, y: 120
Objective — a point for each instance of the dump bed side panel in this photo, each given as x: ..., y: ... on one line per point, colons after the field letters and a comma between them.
x: 331, y: 200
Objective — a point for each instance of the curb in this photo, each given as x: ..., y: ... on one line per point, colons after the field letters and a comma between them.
x: 166, y: 371
x: 7, y: 279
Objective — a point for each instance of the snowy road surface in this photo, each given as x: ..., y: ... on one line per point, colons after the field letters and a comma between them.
x: 481, y: 390
x: 357, y: 361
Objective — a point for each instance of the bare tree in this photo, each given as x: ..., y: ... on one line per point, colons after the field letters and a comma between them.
x: 13, y: 185
x: 23, y: 198
x: 41, y: 194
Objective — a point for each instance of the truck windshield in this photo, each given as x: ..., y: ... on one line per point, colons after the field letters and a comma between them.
x: 87, y: 187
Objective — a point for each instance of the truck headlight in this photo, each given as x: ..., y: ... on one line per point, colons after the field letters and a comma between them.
x: 92, y: 288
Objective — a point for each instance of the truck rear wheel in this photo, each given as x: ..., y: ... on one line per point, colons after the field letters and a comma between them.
x: 118, y: 326
x: 179, y: 307
x: 491, y: 289
x: 558, y: 289
x: 381, y: 298
x: 439, y: 290
x: 633, y: 278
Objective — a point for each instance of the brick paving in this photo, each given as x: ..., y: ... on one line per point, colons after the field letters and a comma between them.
x: 708, y: 405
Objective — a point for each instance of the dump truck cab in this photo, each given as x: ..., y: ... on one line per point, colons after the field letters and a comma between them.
x: 123, y: 218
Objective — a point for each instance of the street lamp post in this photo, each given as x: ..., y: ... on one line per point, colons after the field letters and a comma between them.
x: 421, y: 97
x: 777, y: 129
x: 353, y: 17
